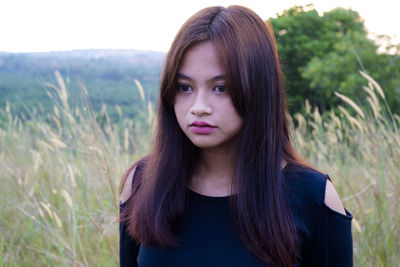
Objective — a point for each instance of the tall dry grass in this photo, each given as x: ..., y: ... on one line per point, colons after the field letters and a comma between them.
x: 360, y: 150
x: 59, y: 174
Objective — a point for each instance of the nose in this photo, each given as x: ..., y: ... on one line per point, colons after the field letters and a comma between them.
x: 201, y: 105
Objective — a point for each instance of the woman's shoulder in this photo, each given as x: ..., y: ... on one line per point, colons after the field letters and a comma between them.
x: 305, y: 182
x: 127, y: 186
x: 129, y: 178
x: 323, y: 225
x: 313, y: 188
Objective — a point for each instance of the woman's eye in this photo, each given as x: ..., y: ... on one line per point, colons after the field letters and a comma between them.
x: 184, y: 88
x: 220, y: 88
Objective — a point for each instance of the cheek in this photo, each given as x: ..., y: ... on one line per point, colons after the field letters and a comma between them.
x: 231, y: 112
x: 236, y: 123
x: 229, y: 117
x: 236, y: 120
x: 179, y: 110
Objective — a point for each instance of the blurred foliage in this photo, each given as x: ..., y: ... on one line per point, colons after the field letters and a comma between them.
x: 108, y: 75
x: 321, y: 54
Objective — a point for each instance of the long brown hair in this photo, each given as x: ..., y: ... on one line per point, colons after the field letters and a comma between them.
x: 247, y: 51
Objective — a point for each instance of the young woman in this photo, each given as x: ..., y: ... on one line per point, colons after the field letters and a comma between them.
x: 223, y: 185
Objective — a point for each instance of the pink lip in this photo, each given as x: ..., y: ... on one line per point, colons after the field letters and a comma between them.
x: 201, y: 127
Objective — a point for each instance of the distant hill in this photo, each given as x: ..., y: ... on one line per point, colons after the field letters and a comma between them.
x: 107, y: 74
x: 97, y: 53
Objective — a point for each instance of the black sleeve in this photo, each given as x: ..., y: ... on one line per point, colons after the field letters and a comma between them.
x: 333, y: 239
x: 128, y: 247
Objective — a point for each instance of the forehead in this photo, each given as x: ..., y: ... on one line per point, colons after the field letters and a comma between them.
x: 201, y: 60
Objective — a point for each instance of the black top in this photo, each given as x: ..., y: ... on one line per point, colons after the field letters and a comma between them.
x: 208, y: 238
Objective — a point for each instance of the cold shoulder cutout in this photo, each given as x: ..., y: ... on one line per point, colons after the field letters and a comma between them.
x: 127, y: 188
x: 128, y: 246
x: 332, y: 199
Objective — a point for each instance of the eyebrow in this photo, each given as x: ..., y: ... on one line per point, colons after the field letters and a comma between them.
x: 214, y: 79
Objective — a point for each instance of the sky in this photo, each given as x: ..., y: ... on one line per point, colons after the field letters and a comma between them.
x: 58, y: 25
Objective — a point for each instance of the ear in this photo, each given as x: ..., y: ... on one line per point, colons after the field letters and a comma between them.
x: 332, y: 199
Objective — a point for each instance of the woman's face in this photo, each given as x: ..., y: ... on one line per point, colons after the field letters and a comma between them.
x: 203, y: 106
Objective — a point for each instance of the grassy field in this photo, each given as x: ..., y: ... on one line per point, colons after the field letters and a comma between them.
x: 59, y: 176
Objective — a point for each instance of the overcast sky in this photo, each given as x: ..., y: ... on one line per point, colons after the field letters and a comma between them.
x: 53, y: 25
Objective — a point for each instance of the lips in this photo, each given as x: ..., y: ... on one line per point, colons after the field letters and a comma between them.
x: 201, y: 127
x: 201, y: 124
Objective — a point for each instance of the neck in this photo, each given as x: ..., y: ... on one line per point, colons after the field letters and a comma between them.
x: 218, y: 163
x: 214, y: 172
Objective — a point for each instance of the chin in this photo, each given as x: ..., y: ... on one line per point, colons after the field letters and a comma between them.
x: 204, y: 144
x: 211, y: 144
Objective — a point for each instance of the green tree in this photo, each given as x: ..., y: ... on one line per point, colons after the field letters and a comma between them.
x: 323, y: 54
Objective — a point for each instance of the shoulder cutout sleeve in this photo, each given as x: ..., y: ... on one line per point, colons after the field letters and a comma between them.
x: 333, y: 243
x: 332, y: 199
x: 128, y: 246
x: 126, y: 190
